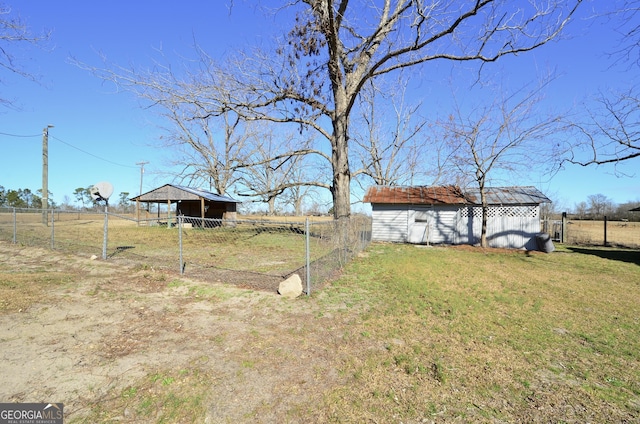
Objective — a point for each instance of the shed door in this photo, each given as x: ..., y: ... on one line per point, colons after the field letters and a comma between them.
x: 439, y: 225
x: 418, y: 233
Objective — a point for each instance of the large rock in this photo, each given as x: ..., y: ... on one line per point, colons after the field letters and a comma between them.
x: 291, y: 287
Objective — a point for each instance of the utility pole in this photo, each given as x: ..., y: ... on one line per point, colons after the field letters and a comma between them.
x: 45, y: 174
x: 141, y: 164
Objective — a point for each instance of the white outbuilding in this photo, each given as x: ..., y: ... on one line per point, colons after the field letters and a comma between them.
x: 451, y: 215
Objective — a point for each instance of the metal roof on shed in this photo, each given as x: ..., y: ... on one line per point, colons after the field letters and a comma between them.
x: 208, y: 195
x: 453, y: 195
x: 416, y: 195
x: 175, y: 193
x: 508, y: 196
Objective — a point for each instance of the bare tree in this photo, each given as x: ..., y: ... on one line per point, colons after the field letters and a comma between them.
x: 508, y: 135
x: 265, y: 177
x: 14, y: 32
x: 211, y: 143
x: 624, y: 17
x: 624, y: 211
x: 336, y: 47
x: 296, y: 194
x: 581, y: 210
x: 612, y: 132
x: 599, y: 205
x: 212, y: 149
x: 389, y: 146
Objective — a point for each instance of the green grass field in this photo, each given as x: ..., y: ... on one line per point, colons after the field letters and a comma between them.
x: 471, y: 335
x: 445, y: 334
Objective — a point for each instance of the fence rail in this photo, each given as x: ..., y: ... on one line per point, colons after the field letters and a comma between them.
x: 257, y: 254
x: 596, y: 233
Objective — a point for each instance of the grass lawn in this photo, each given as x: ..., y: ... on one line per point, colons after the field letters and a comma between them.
x: 463, y: 334
x: 407, y: 334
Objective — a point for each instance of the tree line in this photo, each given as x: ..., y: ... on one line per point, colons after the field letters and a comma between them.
x: 26, y: 198
x: 597, y: 206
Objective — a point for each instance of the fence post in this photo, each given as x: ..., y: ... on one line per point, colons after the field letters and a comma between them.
x: 15, y: 227
x: 52, y: 230
x: 605, y: 230
x: 180, y: 218
x: 307, y: 256
x: 563, y: 226
x: 106, y: 231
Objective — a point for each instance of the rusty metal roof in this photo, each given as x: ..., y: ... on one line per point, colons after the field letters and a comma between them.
x: 453, y: 195
x: 416, y: 195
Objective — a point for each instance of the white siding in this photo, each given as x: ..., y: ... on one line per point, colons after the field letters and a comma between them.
x: 440, y: 226
x: 389, y: 223
x: 513, y: 227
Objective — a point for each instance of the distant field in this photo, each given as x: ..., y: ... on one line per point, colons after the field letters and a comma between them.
x: 592, y: 232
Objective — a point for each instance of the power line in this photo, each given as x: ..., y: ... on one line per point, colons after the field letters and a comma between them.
x: 91, y: 154
x: 70, y: 145
x: 22, y: 136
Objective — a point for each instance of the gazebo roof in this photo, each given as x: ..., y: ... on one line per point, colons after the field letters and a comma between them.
x: 175, y: 193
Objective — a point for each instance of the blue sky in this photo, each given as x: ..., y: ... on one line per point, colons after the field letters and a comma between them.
x: 100, y: 135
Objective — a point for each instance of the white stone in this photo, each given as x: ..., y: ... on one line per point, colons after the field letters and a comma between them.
x: 291, y: 287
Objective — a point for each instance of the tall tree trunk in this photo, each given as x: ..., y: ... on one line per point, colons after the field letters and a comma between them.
x: 341, y: 188
x: 271, y: 203
x: 297, y: 205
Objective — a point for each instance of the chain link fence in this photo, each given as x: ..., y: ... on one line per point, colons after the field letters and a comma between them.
x: 256, y: 254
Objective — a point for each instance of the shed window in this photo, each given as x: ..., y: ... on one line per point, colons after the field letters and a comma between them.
x: 421, y: 216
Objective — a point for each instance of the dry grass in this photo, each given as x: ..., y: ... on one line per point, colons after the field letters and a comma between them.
x: 407, y: 334
x: 276, y: 249
x: 466, y: 335
x: 619, y: 233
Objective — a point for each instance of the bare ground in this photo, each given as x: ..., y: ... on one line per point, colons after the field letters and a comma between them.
x: 106, y: 328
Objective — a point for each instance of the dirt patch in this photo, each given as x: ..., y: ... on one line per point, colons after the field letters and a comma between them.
x: 105, y: 331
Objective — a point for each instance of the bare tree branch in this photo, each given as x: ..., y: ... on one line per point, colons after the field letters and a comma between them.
x: 506, y: 135
x: 334, y: 48
x: 612, y: 133
x: 395, y: 156
x: 13, y: 34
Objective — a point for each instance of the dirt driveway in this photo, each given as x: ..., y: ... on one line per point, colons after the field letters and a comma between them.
x: 100, y: 332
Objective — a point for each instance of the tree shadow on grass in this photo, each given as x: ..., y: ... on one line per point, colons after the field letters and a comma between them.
x: 631, y: 255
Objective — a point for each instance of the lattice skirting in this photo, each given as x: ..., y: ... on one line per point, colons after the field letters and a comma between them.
x: 500, y: 211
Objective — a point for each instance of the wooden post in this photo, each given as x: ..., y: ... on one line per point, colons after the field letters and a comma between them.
x: 605, y: 230
x: 202, y: 210
x: 168, y: 213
